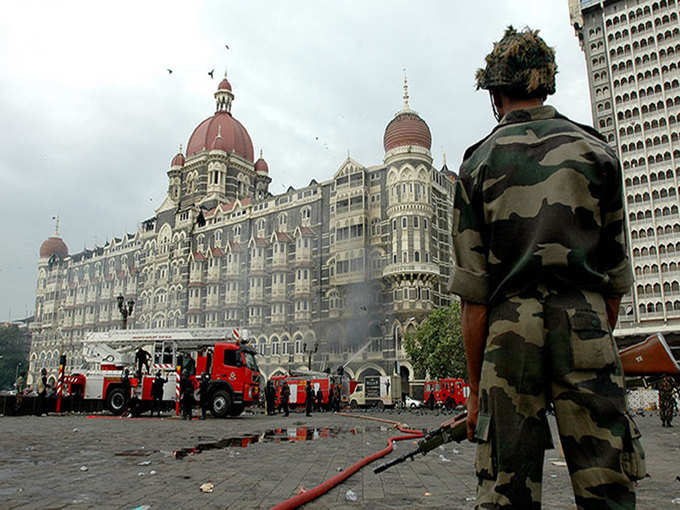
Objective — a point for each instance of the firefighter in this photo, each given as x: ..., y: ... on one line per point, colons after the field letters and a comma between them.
x: 269, y: 397
x: 309, y: 398
x: 142, y: 359
x: 203, y: 392
x: 285, y: 395
x: 42, y: 392
x: 319, y: 399
x: 338, y: 398
x: 187, y: 390
x: 157, y: 392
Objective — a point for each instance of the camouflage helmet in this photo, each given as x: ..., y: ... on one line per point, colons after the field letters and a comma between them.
x: 521, y: 63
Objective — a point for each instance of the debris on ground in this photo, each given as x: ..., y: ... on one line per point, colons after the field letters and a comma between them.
x: 443, y: 459
x: 350, y: 495
x: 75, y: 429
x: 456, y: 451
x: 675, y: 501
x: 207, y: 487
x: 144, y: 463
x: 141, y: 473
x: 427, y: 494
x: 559, y: 463
x: 152, y: 472
x: 83, y: 468
x: 301, y: 489
x: 142, y: 507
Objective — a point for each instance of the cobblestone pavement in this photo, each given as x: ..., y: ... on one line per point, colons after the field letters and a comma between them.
x: 41, y: 460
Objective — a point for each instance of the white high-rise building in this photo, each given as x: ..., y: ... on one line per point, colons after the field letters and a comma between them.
x: 632, y: 51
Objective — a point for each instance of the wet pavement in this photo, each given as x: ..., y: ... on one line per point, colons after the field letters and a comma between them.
x: 257, y: 461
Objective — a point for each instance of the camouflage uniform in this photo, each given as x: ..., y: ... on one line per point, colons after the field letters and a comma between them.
x: 666, y: 404
x: 538, y: 237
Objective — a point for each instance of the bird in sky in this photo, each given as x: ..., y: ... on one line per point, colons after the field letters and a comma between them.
x: 211, y: 74
x: 226, y: 46
x: 169, y: 71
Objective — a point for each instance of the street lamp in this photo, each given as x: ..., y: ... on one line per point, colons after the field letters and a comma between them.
x: 125, y: 312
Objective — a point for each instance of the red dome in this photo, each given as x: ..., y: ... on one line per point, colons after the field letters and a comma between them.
x: 407, y: 128
x: 224, y: 85
x: 178, y: 160
x: 261, y: 166
x: 234, y: 135
x: 53, y: 245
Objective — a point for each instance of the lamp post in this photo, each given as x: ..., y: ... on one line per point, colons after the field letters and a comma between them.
x: 309, y: 354
x: 125, y: 312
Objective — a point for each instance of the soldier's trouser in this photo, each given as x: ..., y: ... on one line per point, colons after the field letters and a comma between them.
x: 541, y: 348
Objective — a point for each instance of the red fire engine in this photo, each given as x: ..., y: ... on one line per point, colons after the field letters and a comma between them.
x: 298, y: 383
x: 234, y: 375
x: 447, y: 392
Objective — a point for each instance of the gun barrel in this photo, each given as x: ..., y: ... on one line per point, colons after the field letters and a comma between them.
x: 398, y: 460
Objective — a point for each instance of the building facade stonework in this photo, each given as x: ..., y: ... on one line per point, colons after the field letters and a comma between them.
x: 320, y: 271
x: 632, y: 52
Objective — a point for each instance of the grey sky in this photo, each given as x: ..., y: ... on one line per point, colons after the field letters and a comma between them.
x: 91, y: 118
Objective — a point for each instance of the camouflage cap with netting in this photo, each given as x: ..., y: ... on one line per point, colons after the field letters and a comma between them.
x: 521, y: 63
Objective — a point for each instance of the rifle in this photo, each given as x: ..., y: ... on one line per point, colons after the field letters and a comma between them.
x: 454, y: 429
x: 650, y: 357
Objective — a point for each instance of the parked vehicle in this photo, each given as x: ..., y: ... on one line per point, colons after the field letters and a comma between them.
x: 449, y: 392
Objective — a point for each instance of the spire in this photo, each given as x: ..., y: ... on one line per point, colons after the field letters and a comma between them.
x: 406, y: 106
x: 260, y: 153
x: 444, y: 158
x: 56, y: 225
x: 180, y: 148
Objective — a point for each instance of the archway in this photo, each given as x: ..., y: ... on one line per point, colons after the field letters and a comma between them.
x: 404, y: 373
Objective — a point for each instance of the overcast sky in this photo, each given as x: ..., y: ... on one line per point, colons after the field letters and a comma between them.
x: 91, y: 118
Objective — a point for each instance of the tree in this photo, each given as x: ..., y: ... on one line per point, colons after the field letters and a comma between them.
x: 436, y: 346
x: 13, y: 350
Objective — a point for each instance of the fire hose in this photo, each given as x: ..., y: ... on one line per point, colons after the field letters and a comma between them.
x: 309, y: 495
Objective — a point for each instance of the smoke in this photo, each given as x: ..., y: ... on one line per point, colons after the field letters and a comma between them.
x: 363, y: 313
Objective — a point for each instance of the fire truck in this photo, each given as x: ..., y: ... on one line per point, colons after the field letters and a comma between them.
x: 297, y: 383
x: 447, y: 392
x: 221, y: 352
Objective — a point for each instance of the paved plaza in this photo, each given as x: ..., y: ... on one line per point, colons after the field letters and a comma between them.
x: 104, y: 462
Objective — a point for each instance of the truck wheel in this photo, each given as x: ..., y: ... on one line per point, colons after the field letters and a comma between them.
x: 450, y: 403
x: 221, y: 403
x: 236, y: 410
x: 115, y: 401
x: 353, y: 404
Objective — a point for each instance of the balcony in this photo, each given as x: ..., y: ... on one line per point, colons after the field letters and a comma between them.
x: 408, y: 268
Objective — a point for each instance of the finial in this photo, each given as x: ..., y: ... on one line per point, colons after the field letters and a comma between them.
x: 180, y: 148
x: 406, y: 107
x: 444, y: 158
x: 347, y: 153
x: 56, y: 225
x: 260, y: 153
x: 225, y: 72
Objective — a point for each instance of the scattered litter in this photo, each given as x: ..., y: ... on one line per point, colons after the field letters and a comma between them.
x: 383, y: 429
x: 443, y: 459
x: 83, y: 468
x: 456, y: 451
x: 207, y: 487
x: 141, y: 473
x: 143, y: 507
x: 469, y: 499
x: 350, y: 495
x: 675, y: 501
x: 29, y: 448
x: 368, y: 444
x: 553, y: 475
x: 559, y: 463
x: 301, y: 489
x: 144, y: 463
x: 427, y: 494
x: 75, y: 430
x: 152, y: 472
x: 339, y: 469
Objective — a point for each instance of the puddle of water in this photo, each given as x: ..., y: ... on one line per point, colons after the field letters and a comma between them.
x: 271, y: 436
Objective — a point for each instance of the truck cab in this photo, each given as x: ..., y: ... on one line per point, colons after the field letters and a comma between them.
x: 376, y: 391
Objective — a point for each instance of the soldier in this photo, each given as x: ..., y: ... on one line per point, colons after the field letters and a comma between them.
x: 42, y: 392
x: 666, y: 403
x: 338, y: 398
x: 20, y: 386
x: 204, y: 394
x: 157, y: 392
x: 285, y: 396
x: 309, y: 398
x: 540, y: 266
x: 269, y: 395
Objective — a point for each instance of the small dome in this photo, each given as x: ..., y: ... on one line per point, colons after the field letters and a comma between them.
x: 261, y: 165
x: 224, y: 84
x: 407, y: 128
x: 53, y: 246
x: 178, y: 160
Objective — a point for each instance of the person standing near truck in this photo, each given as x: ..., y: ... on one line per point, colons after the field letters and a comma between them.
x: 157, y: 392
x: 309, y: 398
x: 186, y: 388
x: 540, y: 265
x: 204, y: 394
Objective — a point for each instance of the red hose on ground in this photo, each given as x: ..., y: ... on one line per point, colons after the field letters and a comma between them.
x: 309, y: 495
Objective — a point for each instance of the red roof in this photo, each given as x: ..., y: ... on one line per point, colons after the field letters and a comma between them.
x: 235, y: 136
x: 407, y: 128
x: 261, y: 166
x: 178, y: 160
x: 198, y: 256
x: 306, y: 231
x: 53, y: 246
x: 216, y: 252
x: 282, y: 236
x: 224, y: 84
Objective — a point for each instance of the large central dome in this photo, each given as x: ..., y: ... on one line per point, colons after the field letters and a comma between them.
x: 234, y: 136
